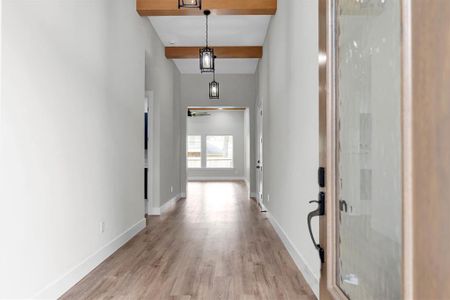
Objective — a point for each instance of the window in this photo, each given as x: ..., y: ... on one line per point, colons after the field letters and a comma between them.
x: 194, y: 151
x: 219, y: 151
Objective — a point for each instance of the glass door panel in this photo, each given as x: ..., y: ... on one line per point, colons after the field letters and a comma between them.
x: 368, y: 154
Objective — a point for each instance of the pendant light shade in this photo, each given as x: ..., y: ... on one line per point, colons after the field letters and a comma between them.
x: 214, y: 88
x: 207, y: 57
x: 190, y: 4
x: 207, y: 60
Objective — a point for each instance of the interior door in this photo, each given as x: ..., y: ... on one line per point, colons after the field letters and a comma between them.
x: 259, y: 162
x: 364, y: 144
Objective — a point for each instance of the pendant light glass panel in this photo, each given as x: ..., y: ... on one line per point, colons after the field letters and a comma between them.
x: 189, y: 4
x: 206, y: 60
x: 214, y: 90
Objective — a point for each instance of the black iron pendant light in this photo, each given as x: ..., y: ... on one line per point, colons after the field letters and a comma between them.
x: 214, y: 88
x: 207, y: 54
x: 190, y: 4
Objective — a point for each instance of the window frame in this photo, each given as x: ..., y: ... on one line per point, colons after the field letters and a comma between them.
x: 206, y: 152
x: 201, y: 151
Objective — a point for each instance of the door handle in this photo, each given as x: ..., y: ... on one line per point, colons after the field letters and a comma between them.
x: 320, y: 211
x: 343, y: 206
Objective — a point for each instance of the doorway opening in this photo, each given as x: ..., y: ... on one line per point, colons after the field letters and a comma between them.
x: 218, y: 144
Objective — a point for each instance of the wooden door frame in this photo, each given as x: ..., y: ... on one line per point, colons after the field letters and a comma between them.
x: 427, y: 160
x: 330, y: 118
x: 329, y: 288
x: 325, y: 60
x: 406, y: 116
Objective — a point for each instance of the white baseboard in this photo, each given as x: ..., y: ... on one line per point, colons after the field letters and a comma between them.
x: 247, y: 183
x: 299, y: 260
x: 154, y: 211
x: 151, y: 210
x: 215, y: 178
x: 61, y: 285
x: 264, y: 208
x: 169, y: 204
x: 157, y: 211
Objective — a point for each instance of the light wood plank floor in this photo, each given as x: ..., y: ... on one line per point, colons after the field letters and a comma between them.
x: 213, y: 245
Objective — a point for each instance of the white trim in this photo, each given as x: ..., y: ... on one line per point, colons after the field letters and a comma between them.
x: 1, y: 58
x: 408, y: 185
x: 215, y: 178
x: 247, y: 182
x: 169, y: 204
x: 61, y: 285
x: 211, y: 169
x: 150, y: 159
x: 298, y: 258
x: 264, y: 208
x: 151, y: 209
x: 157, y: 211
x: 154, y: 211
x: 250, y: 193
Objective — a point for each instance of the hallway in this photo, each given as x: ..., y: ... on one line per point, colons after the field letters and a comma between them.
x: 213, y: 245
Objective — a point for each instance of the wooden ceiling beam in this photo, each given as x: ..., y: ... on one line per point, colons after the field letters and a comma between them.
x: 218, y: 7
x: 220, y: 52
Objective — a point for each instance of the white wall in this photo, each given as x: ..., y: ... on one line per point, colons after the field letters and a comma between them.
x: 71, y: 141
x: 288, y: 88
x: 235, y: 90
x: 164, y: 81
x: 220, y: 123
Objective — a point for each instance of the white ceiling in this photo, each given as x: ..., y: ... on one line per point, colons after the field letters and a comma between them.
x: 223, y: 31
